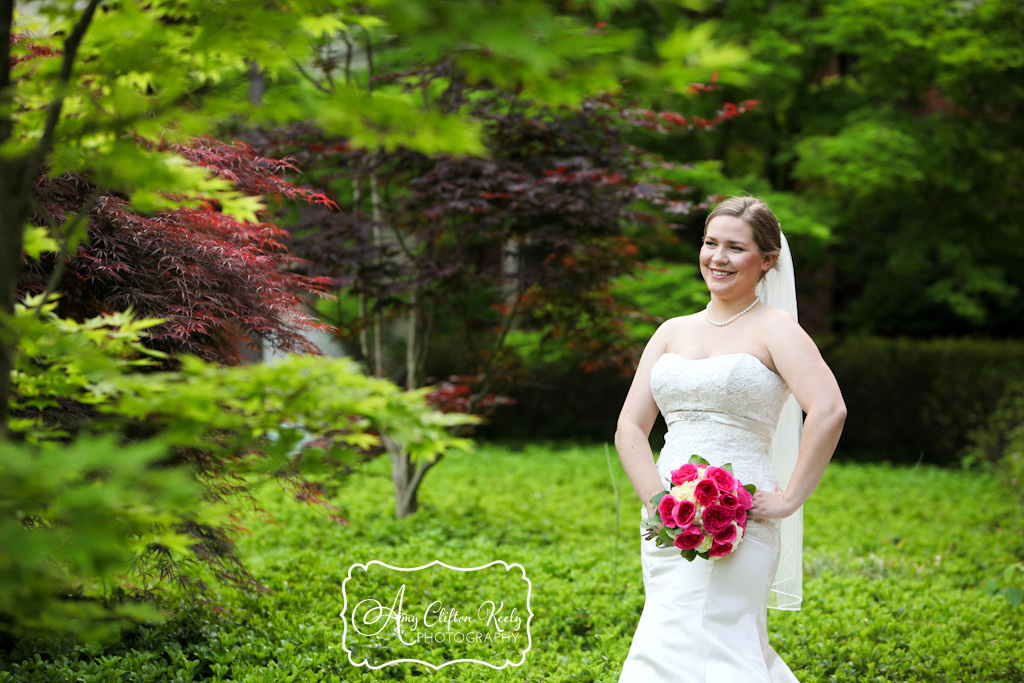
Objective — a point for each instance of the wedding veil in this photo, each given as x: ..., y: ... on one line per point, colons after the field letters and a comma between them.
x: 778, y: 290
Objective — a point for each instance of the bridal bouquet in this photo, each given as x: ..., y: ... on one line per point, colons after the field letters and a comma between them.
x: 705, y: 512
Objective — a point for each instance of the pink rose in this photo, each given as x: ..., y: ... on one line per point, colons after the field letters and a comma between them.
x: 720, y: 549
x: 684, y: 513
x: 689, y: 538
x: 706, y: 491
x: 730, y: 499
x: 666, y: 507
x: 725, y: 481
x: 717, y: 517
x: 687, y: 472
x: 746, y: 500
x: 726, y: 535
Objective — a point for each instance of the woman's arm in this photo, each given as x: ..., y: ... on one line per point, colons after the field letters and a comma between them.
x: 799, y: 362
x: 639, y: 411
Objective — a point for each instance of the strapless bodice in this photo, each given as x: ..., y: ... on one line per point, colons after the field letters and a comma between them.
x: 723, y: 408
x: 736, y: 384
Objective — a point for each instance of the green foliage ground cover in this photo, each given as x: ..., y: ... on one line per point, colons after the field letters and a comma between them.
x: 901, y: 567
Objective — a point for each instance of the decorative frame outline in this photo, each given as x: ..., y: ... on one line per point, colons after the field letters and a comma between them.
x: 508, y: 567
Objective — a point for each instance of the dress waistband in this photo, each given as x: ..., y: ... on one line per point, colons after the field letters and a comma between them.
x: 761, y: 428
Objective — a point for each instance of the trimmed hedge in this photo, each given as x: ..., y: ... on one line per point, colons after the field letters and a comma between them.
x: 561, y: 404
x: 907, y: 398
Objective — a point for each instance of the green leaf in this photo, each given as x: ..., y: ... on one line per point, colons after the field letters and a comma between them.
x: 1014, y: 595
x: 323, y: 26
x: 394, y: 118
x: 1013, y: 572
x: 37, y: 241
x: 241, y: 206
x: 367, y: 21
x: 692, y: 5
x: 697, y: 460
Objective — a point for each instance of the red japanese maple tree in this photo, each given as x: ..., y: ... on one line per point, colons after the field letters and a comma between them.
x: 219, y: 283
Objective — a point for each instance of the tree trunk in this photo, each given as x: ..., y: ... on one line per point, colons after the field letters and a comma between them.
x: 378, y: 319
x: 406, y: 476
x: 257, y: 84
x: 412, y: 344
x: 16, y: 177
x: 12, y: 222
x: 510, y: 257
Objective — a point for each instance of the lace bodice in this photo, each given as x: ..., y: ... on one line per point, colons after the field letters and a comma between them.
x: 724, y: 409
x: 736, y: 383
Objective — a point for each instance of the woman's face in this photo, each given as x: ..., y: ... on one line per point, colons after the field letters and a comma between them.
x: 729, y: 258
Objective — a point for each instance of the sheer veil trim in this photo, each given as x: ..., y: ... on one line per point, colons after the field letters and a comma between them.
x: 778, y: 290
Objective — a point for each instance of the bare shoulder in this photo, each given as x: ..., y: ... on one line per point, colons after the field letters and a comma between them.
x: 782, y: 335
x: 775, y: 320
x: 663, y: 337
x: 798, y: 361
x: 674, y: 326
x: 682, y: 319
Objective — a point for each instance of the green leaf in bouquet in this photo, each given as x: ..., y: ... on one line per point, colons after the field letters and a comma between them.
x: 656, y: 498
x: 697, y: 460
x: 665, y: 536
x: 689, y: 554
x: 750, y: 488
x: 727, y: 467
x: 706, y: 556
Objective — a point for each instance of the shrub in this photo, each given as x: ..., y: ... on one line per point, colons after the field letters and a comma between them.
x: 999, y: 441
x: 144, y: 502
x: 72, y: 517
x: 908, y: 398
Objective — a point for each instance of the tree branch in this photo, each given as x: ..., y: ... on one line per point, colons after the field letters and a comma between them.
x: 6, y: 26
x: 499, y: 343
x: 71, y: 45
x: 369, y: 62
x: 309, y: 77
x: 329, y: 67
x: 118, y: 123
x: 421, y: 469
x: 71, y: 229
x: 348, y: 57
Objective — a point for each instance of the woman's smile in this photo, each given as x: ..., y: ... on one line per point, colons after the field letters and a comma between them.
x: 729, y: 258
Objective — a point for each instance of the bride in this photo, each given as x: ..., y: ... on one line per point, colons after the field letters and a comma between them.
x: 730, y: 382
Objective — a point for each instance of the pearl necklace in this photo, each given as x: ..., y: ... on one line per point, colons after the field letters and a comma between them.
x: 707, y: 313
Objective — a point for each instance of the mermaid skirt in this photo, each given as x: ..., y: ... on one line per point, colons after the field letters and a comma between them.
x: 706, y: 621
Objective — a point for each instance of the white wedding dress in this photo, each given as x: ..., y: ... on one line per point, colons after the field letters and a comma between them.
x: 706, y: 621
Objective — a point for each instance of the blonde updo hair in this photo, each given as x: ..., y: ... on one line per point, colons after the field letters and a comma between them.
x: 755, y: 213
